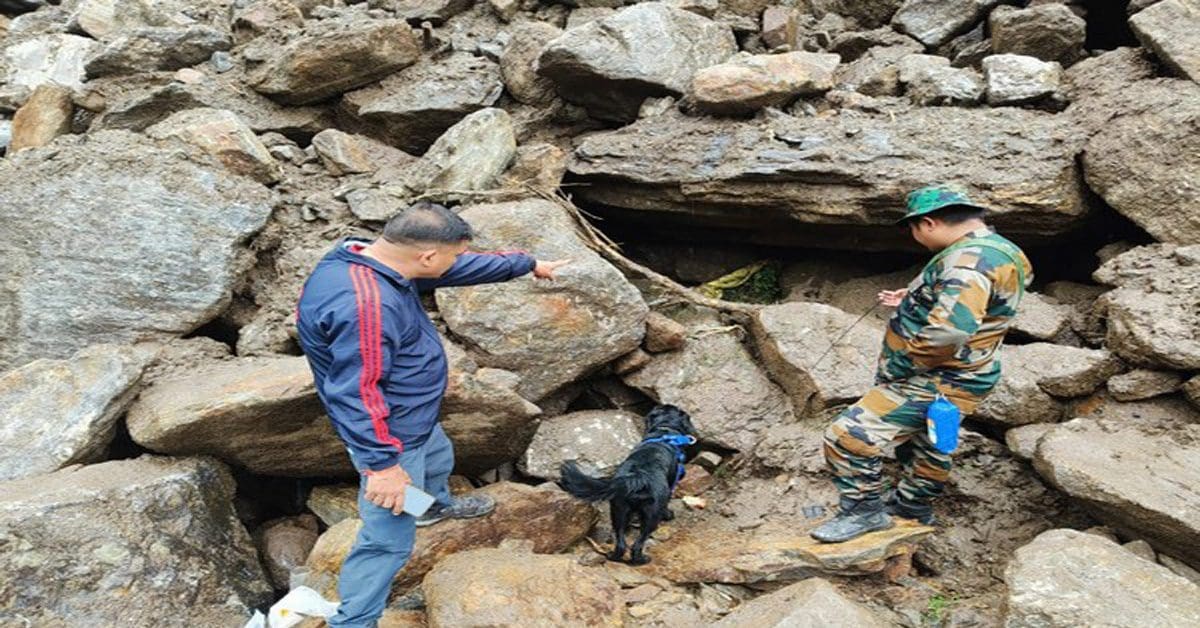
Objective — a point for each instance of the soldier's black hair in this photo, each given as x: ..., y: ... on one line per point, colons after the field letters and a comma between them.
x: 427, y: 223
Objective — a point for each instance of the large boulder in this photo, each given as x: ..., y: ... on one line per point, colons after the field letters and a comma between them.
x: 52, y: 58
x: 747, y: 83
x: 935, y: 22
x: 413, y: 107
x: 1021, y: 79
x: 259, y: 414
x: 468, y: 157
x: 551, y: 333
x: 598, y: 440
x: 832, y: 181
x: 143, y: 540
x: 223, y: 135
x: 1041, y: 318
x: 812, y: 603
x: 548, y: 517
x: 1140, y: 160
x: 518, y: 62
x: 1133, y: 476
x: 1141, y: 384
x: 647, y: 50
x: 1066, y: 578
x: 803, y: 347
x: 1050, y: 32
x: 151, y: 49
x: 333, y: 56
x: 1035, y: 376
x: 1154, y: 313
x: 508, y: 587
x: 54, y: 413
x: 162, y: 226
x: 1169, y: 29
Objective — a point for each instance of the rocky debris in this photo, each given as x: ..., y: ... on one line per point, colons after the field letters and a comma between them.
x: 468, y: 157
x: 854, y: 44
x: 647, y: 50
x: 5, y: 135
x: 342, y: 153
x: 412, y: 108
x: 105, y: 189
x: 935, y: 22
x: 223, y: 135
x: 758, y: 180
x: 144, y: 539
x: 1091, y: 80
x: 1143, y: 384
x: 435, y: 11
x: 1041, y: 318
x: 598, y: 440
x: 334, y: 56
x: 55, y: 413
x: 55, y: 58
x: 1069, y: 578
x: 1169, y: 29
x: 518, y: 63
x: 1191, y: 389
x: 946, y: 86
x: 1036, y: 374
x: 1137, y: 160
x: 548, y: 517
x: 780, y: 25
x: 1134, y: 477
x: 1155, y: 283
x: 1050, y: 32
x: 1022, y: 441
x: 1141, y: 549
x: 865, y: 14
x: 794, y: 343
x: 333, y: 503
x: 589, y: 316
x: 1019, y: 79
x: 284, y: 545
x: 158, y: 48
x: 1179, y: 568
x: 260, y: 414
x: 714, y: 553
x: 498, y: 586
x: 46, y: 115
x: 876, y: 73
x: 664, y: 334
x: 811, y: 603
x: 747, y: 83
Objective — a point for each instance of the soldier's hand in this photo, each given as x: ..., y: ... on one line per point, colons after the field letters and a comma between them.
x: 545, y: 270
x: 385, y: 488
x: 891, y: 298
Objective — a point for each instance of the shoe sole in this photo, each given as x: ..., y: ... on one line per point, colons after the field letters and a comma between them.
x: 889, y: 526
x: 429, y: 522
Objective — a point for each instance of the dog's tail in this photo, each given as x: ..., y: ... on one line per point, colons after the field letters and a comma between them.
x: 584, y: 486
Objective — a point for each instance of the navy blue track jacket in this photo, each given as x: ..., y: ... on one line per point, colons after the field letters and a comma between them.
x: 378, y: 362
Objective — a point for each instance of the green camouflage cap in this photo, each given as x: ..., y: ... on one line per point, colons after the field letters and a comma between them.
x: 934, y: 197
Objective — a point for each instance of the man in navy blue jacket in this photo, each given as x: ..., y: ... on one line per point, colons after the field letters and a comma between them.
x: 381, y: 371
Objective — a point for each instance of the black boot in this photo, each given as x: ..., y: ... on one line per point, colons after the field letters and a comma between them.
x: 856, y: 518
x: 921, y: 512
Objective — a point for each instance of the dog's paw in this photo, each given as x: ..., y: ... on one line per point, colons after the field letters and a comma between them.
x: 668, y: 514
x: 640, y: 559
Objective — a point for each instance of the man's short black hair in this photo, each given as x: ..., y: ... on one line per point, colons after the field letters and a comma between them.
x: 427, y: 223
x: 951, y: 215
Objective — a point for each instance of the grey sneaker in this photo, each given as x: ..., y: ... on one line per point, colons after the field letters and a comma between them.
x: 465, y: 507
x: 855, y: 519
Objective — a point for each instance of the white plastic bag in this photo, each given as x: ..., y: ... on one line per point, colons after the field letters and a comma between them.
x: 299, y: 604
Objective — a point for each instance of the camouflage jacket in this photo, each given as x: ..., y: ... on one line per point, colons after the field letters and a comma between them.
x: 945, y: 334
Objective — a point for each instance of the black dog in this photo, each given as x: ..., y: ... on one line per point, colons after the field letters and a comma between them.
x: 643, y: 483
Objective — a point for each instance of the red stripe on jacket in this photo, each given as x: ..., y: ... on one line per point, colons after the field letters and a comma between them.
x: 370, y: 344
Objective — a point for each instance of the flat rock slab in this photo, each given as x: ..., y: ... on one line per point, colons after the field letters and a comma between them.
x: 598, y: 440
x: 1169, y: 28
x: 812, y: 603
x: 1153, y: 316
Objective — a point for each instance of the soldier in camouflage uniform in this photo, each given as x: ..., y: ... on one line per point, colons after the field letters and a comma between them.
x: 943, y: 339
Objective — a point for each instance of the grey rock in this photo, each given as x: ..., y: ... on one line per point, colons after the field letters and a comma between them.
x: 518, y: 63
x: 55, y: 413
x: 5, y: 134
x: 746, y: 83
x: 864, y: 13
x: 145, y: 539
x: 334, y: 56
x: 187, y: 218
x: 1143, y: 384
x: 1191, y: 389
x: 333, y: 503
x: 1135, y: 477
x: 934, y: 22
x: 221, y: 61
x: 1050, y: 32
x: 1141, y: 549
x: 435, y: 11
x: 1023, y: 441
x: 284, y: 546
x: 341, y: 152
x: 914, y: 65
x: 854, y: 44
x: 947, y: 86
x: 158, y: 48
x: 413, y: 107
x: 1020, y: 79
x: 109, y: 20
x: 374, y: 205
x: 1169, y: 28
x: 876, y: 73
x: 1041, y: 318
x: 1155, y: 283
x: 1068, y: 578
x: 223, y: 135
x: 468, y: 157
x: 812, y: 603
x: 589, y: 316
x: 259, y: 414
x: 598, y: 440
x: 47, y: 59
x: 1179, y: 568
x: 664, y: 334
x: 647, y: 50
x: 1034, y: 375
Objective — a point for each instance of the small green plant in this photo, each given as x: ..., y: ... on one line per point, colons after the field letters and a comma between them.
x: 935, y: 612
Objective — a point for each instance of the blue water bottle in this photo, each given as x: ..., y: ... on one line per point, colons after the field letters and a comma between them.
x: 942, y: 420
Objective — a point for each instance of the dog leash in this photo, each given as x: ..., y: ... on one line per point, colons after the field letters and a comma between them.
x: 677, y: 443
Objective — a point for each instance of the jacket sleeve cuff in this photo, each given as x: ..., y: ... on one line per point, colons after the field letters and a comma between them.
x: 529, y: 263
x: 381, y: 464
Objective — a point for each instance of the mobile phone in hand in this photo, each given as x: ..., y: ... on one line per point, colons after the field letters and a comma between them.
x: 416, y: 501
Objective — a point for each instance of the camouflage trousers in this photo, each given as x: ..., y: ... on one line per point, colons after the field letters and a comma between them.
x: 855, y: 440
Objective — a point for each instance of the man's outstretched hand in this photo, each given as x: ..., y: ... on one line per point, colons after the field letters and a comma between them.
x: 545, y: 270
x: 891, y: 298
x: 385, y: 488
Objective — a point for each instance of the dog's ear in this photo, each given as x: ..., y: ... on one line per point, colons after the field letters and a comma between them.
x: 652, y: 417
x: 687, y: 423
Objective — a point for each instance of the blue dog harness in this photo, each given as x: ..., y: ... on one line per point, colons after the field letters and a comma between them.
x: 677, y: 443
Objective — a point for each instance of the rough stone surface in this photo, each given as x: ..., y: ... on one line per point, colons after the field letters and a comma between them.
x: 158, y: 48
x: 1069, y: 578
x: 553, y: 332
x: 947, y: 86
x: 260, y: 414
x: 342, y: 153
x: 598, y: 440
x: 413, y: 107
x: 876, y: 73
x: 1135, y: 477
x: 225, y: 136
x: 518, y: 63
x: 45, y: 116
x: 1169, y: 29
x: 1035, y: 374
x: 505, y: 587
x: 612, y: 64
x: 935, y: 22
x: 1050, y: 32
x: 333, y: 503
x: 469, y: 156
x: 1022, y: 441
x: 108, y: 195
x: 548, y: 517
x: 1191, y: 389
x: 1041, y: 318
x: 793, y: 340
x: 865, y: 13
x: 1143, y: 384
x: 812, y: 603
x: 1020, y: 79
x: 750, y: 82
x: 284, y: 546
x: 335, y: 56
x: 664, y: 334
x: 45, y: 59
x: 54, y: 413
x: 143, y: 539
x: 1153, y: 315
x: 838, y: 176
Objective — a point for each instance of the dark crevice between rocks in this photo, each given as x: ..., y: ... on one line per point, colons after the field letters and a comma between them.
x: 1108, y: 25
x: 220, y: 330
x: 261, y: 498
x: 122, y: 446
